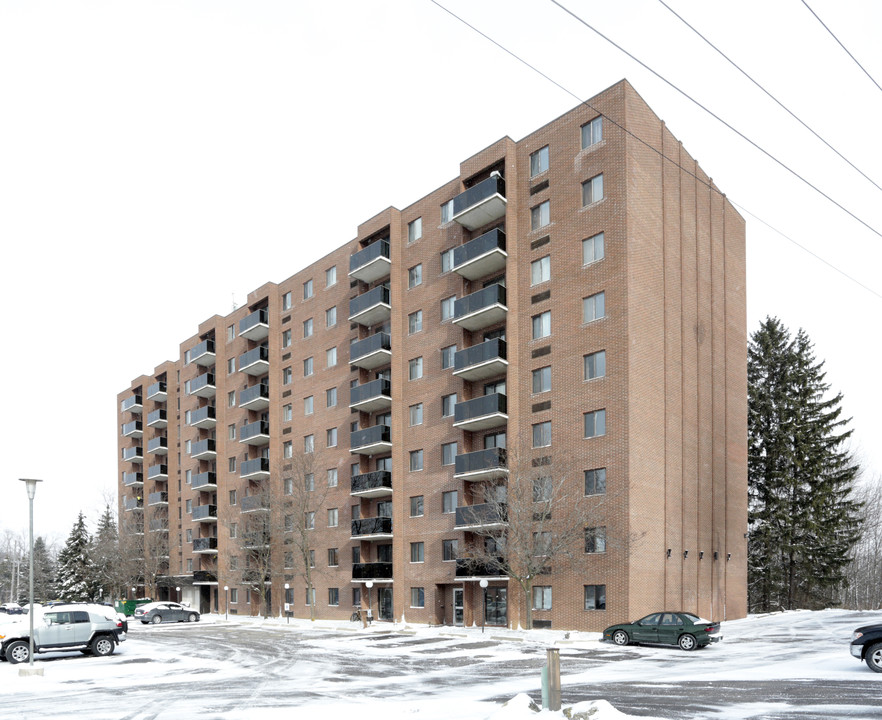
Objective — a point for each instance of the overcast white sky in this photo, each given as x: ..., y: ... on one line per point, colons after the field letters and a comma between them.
x: 159, y: 160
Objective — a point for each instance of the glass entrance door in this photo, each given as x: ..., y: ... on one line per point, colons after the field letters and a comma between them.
x: 385, y: 602
x: 458, y: 606
x: 496, y: 606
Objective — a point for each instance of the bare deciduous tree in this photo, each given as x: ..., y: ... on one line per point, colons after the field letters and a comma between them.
x: 863, y: 590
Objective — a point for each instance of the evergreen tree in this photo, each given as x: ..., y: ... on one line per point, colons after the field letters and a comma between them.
x: 107, y: 557
x: 802, y: 518
x: 76, y: 571
x: 44, y: 572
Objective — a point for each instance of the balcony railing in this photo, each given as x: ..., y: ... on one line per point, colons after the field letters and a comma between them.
x: 253, y: 503
x: 201, y: 354
x: 205, y: 545
x: 131, y: 503
x: 255, y: 326
x: 133, y: 454
x: 481, y: 464
x: 481, y: 309
x: 157, y: 472
x: 372, y: 396
x: 256, y: 469
x: 204, y: 417
x: 201, y: 386
x: 204, y: 481
x: 372, y: 571
x: 371, y: 441
x: 159, y: 525
x: 483, y: 516
x: 372, y: 352
x: 255, y: 362
x: 252, y: 540
x: 132, y: 404
x: 203, y: 450
x: 204, y: 577
x: 371, y: 307
x: 481, y: 413
x: 157, y: 418
x: 481, y: 361
x: 372, y: 484
x: 133, y: 429
x: 133, y: 479
x: 480, y: 204
x: 479, y: 257
x: 256, y: 433
x: 157, y: 498
x: 205, y: 513
x: 466, y: 567
x: 371, y: 263
x: 157, y: 392
x: 378, y: 527
x: 255, y: 397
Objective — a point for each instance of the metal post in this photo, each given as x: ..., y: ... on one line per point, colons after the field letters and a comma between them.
x: 286, y: 605
x: 483, y: 585
x: 553, y: 656
x: 226, y: 602
x: 32, y: 490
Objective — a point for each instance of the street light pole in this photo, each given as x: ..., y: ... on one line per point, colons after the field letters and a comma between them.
x: 32, y: 490
x: 483, y: 585
x: 178, y: 591
x: 369, y: 584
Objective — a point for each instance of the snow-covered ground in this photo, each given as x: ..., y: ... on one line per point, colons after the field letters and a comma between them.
x: 270, y: 669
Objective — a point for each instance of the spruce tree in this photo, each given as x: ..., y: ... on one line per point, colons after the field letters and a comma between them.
x: 802, y: 517
x: 44, y: 572
x: 76, y: 572
x: 107, y: 558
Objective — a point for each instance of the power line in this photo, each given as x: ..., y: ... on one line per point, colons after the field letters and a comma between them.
x: 769, y: 94
x: 872, y: 79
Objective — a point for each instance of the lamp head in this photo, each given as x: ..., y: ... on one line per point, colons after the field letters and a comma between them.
x: 483, y: 583
x: 369, y: 584
x: 31, y: 485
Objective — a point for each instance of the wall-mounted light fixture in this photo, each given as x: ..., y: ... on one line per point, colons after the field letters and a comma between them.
x: 716, y: 555
x: 685, y: 554
x: 669, y: 552
x: 701, y: 554
x: 728, y: 557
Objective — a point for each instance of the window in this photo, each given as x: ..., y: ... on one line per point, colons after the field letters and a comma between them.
x: 447, y: 308
x: 540, y: 215
x: 231, y: 432
x: 288, y: 412
x: 417, y: 597
x: 234, y: 596
x: 286, y: 338
x: 287, y: 376
x: 309, y: 443
x: 310, y: 596
x: 448, y: 355
x: 414, y: 230
x: 231, y: 464
x: 447, y: 260
x: 355, y: 469
x: 542, y: 379
x: 289, y: 486
x: 542, y: 325
x: 234, y: 531
x: 595, y: 423
x: 416, y: 414
x: 540, y: 270
x: 289, y: 523
x: 415, y: 369
x: 542, y: 597
x: 310, y: 520
x: 539, y: 161
x: 448, y: 502
x: 595, y: 540
x: 331, y: 357
x: 416, y: 506
x: 592, y: 190
x: 190, y: 535
x: 287, y: 449
x: 416, y: 460
x: 415, y: 322
x: 415, y: 276
x: 231, y: 333
x: 448, y: 405
x: 592, y: 132
x: 307, y: 328
x: 307, y: 367
x: 331, y: 397
x: 448, y: 453
x: 332, y: 517
x: 356, y: 596
x: 447, y: 212
x: 333, y: 596
x: 592, y: 249
x: 416, y: 552
x: 595, y: 365
x: 356, y: 515
x: 231, y: 365
x: 542, y: 543
x: 331, y: 316
x: 593, y: 307
x: 331, y: 276
x: 308, y: 405
x: 307, y: 290
x: 542, y: 434
x: 331, y: 437
x: 232, y: 497
x: 542, y: 489
x: 495, y: 440
x: 189, y: 508
x: 286, y: 301
x: 449, y: 549
x: 333, y: 557
x: 289, y: 560
x: 231, y: 398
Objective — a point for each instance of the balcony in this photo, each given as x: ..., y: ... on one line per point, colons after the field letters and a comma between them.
x: 256, y: 433
x: 203, y: 417
x: 132, y: 404
x: 378, y: 528
x: 157, y: 498
x: 254, y: 540
x: 481, y: 413
x: 371, y: 441
x: 372, y: 484
x: 481, y: 517
x: 131, y: 503
x: 372, y: 352
x: 480, y: 204
x: 157, y: 419
x: 481, y: 361
x: 256, y: 469
x: 201, y: 386
x: 133, y: 454
x: 157, y: 392
x: 203, y: 450
x: 205, y: 546
x: 133, y: 429
x: 481, y: 465
x: 207, y: 513
x: 372, y: 571
x: 253, y: 503
x: 481, y: 309
x: 159, y: 525
x: 372, y: 396
x: 371, y: 263
x: 255, y: 326
x: 158, y: 473
x: 255, y: 362
x: 479, y: 257
x: 467, y: 568
x: 133, y: 479
x: 255, y: 397
x: 201, y: 354
x: 371, y: 307
x: 204, y: 577
x: 204, y: 481
x: 157, y: 446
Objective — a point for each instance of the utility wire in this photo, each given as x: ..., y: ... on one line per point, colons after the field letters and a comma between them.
x: 780, y: 104
x: 872, y: 79
x: 646, y: 144
x: 718, y: 118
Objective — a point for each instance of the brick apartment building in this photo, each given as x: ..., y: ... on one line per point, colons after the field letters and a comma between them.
x: 575, y: 300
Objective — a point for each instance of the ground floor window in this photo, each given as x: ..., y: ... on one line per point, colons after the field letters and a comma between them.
x: 542, y: 597
x: 417, y: 597
x: 595, y: 597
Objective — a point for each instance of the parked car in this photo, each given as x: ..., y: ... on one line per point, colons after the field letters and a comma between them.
x: 866, y: 645
x: 91, y: 629
x: 666, y: 628
x: 12, y: 608
x: 158, y: 612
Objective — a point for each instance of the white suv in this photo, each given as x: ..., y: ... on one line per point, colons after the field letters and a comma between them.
x: 91, y: 629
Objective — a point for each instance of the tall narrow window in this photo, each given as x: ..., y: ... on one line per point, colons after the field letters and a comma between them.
x: 447, y: 212
x: 447, y: 260
x: 592, y: 132
x: 417, y: 597
x: 415, y: 322
x: 307, y: 328
x: 592, y: 249
x: 595, y: 423
x: 592, y: 190
x: 447, y: 356
x: 539, y: 161
x: 542, y: 379
x: 416, y: 414
x: 595, y: 365
x: 595, y: 481
x: 331, y: 276
x: 331, y: 357
x: 540, y: 215
x: 542, y: 325
x: 448, y: 453
x: 595, y: 540
x: 542, y: 434
x: 593, y: 307
x: 447, y: 308
x: 331, y: 317
x: 307, y: 290
x: 415, y: 369
x: 416, y: 460
x: 417, y: 552
x: 415, y: 276
x: 414, y: 230
x: 540, y: 270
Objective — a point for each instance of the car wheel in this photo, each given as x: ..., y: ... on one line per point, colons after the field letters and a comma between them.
x: 102, y: 646
x: 874, y: 658
x: 156, y: 619
x: 18, y: 652
x: 192, y: 617
x: 687, y: 642
x: 620, y: 637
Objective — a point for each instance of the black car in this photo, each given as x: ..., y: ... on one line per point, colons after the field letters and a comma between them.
x: 866, y: 644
